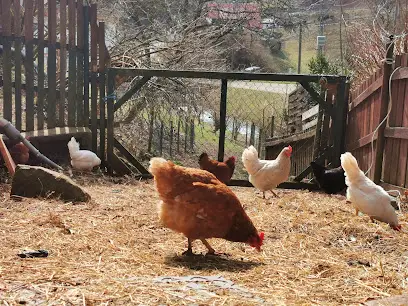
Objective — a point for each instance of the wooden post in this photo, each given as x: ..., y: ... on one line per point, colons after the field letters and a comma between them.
x: 272, y: 126
x: 161, y: 138
x: 339, y: 123
x: 185, y: 135
x: 192, y: 135
x: 178, y: 135
x: 223, y: 121
x: 110, y: 136
x: 383, y: 112
x: 171, y: 139
x: 246, y: 134
x: 260, y: 138
x: 318, y: 132
x: 252, y: 136
x: 151, y: 123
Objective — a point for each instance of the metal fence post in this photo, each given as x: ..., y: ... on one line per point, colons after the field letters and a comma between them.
x: 223, y: 121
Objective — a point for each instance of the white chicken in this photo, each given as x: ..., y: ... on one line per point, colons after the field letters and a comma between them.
x: 365, y: 195
x: 267, y: 174
x: 82, y: 160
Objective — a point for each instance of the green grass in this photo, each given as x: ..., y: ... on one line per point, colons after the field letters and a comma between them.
x: 250, y: 105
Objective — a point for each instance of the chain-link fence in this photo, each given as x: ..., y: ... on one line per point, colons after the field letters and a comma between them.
x: 179, y: 118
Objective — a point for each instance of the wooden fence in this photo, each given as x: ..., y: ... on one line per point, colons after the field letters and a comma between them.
x: 53, y: 60
x: 368, y: 106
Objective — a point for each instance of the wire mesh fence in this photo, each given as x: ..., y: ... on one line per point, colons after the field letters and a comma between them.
x: 179, y: 118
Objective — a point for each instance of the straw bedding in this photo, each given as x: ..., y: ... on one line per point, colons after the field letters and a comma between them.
x: 113, y: 249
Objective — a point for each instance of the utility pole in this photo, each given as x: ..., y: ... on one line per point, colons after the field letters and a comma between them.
x: 321, y: 33
x: 300, y: 48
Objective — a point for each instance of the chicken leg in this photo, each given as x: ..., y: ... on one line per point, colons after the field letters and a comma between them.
x: 357, y: 211
x: 189, y: 251
x: 276, y: 196
x: 211, y: 251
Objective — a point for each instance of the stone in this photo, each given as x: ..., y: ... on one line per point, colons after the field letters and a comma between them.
x: 396, y: 300
x: 34, y: 181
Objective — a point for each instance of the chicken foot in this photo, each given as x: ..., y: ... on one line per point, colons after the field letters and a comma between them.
x: 189, y: 251
x: 211, y: 251
x: 276, y: 196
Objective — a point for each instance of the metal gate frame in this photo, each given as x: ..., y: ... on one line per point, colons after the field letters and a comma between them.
x: 337, y: 111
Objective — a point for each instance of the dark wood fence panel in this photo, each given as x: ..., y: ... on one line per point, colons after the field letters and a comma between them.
x: 46, y: 66
x: 52, y: 64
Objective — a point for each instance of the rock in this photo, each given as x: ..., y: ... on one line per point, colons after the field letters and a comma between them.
x: 32, y: 181
x: 396, y: 300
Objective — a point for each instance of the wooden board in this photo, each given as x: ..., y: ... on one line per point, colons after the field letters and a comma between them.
x: 41, y: 65
x: 52, y: 65
x: 29, y: 64
x: 102, y: 83
x: 80, y: 65
x: 17, y: 65
x: 94, y: 71
x: 7, y: 58
x: 63, y: 62
x: 72, y: 63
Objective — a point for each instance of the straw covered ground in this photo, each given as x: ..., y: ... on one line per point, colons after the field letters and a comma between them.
x: 114, y: 251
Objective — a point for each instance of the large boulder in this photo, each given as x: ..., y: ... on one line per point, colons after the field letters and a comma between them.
x: 32, y: 181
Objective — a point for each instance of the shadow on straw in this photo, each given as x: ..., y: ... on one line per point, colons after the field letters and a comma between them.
x: 208, y: 263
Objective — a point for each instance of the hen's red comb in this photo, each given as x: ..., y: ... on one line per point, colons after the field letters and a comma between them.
x: 290, y: 148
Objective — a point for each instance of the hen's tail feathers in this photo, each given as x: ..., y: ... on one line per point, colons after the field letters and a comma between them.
x: 350, y: 166
x: 158, y: 164
x: 73, y: 145
x: 250, y: 160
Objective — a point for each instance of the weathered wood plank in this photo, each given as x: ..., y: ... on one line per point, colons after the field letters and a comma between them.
x: 80, y: 65
x: 94, y: 71
x: 310, y: 112
x: 390, y: 152
x: 401, y: 74
x: 72, y: 64
x: 129, y: 93
x: 29, y: 64
x: 110, y: 117
x: 288, y: 140
x: 383, y: 111
x: 7, y: 59
x: 17, y: 65
x: 52, y: 65
x: 41, y: 65
x: 363, y: 141
x: 399, y: 110
x: 63, y: 63
x: 396, y: 132
x: 366, y: 93
x: 130, y: 157
x: 102, y: 75
x: 86, y: 65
